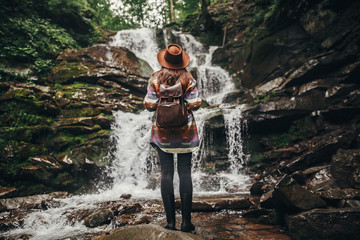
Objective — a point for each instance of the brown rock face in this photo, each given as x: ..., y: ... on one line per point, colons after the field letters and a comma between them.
x: 342, y: 223
x: 102, y: 61
x: 98, y: 218
x: 149, y: 232
x: 345, y: 167
x: 294, y: 197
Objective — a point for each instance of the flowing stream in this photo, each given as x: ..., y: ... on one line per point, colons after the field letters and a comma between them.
x: 135, y: 168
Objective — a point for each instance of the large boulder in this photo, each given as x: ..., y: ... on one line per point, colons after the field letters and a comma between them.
x: 149, y: 232
x: 342, y: 223
x: 102, y: 61
x: 290, y: 195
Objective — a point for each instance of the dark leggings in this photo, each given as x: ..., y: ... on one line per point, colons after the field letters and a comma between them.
x: 167, y: 173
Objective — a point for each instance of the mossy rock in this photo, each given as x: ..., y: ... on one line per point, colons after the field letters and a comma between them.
x: 64, y: 180
x: 67, y: 72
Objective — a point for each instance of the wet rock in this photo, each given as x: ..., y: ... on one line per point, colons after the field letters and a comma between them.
x: 6, y: 192
x: 215, y: 151
x: 257, y: 189
x: 269, y: 54
x: 130, y: 209
x: 255, y: 213
x: 142, y: 220
x: 11, y: 219
x: 316, y: 176
x: 229, y: 225
x: 274, y: 113
x: 325, y: 224
x: 98, y: 218
x: 340, y: 194
x: 126, y: 196
x: 31, y: 201
x: 318, y: 66
x: 235, y: 204
x: 101, y: 61
x: 272, y: 85
x: 217, y: 204
x: 275, y: 217
x: 299, y: 177
x: 233, y: 96
x: 267, y: 200
x: 349, y: 203
x: 293, y: 197
x: 322, y: 150
x: 150, y: 232
x: 101, y: 120
x: 345, y: 167
x: 123, y: 220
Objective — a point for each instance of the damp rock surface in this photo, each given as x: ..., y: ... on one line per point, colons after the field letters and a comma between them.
x: 149, y: 232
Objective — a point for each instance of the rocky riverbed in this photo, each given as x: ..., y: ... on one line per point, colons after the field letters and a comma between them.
x: 217, y: 217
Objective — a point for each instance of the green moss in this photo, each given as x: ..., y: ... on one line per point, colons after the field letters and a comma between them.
x: 81, y: 111
x: 209, y: 170
x: 66, y: 71
x: 255, y: 158
x: 300, y: 130
x: 71, y: 139
x: 204, y: 104
x: 32, y: 188
x: 58, y: 86
x: 64, y: 180
x: 265, y: 97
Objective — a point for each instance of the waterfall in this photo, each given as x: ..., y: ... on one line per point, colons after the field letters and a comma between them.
x: 213, y: 81
x: 141, y: 42
x: 133, y: 168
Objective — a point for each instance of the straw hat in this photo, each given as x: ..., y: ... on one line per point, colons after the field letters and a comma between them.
x: 173, y: 57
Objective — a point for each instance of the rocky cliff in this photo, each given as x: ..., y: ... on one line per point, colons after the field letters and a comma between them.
x: 55, y: 134
x: 297, y: 69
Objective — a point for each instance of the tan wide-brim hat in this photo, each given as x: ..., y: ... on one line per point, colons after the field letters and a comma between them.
x: 173, y: 57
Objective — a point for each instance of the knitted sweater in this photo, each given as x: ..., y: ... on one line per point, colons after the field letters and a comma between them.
x: 174, y: 140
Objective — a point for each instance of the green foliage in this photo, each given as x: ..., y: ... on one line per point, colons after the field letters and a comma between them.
x: 107, y: 17
x: 185, y: 8
x: 29, y: 40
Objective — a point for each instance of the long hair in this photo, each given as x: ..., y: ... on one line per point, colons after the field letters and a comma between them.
x: 171, y: 76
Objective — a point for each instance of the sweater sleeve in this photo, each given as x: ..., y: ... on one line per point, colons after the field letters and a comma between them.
x: 192, y: 96
x: 151, y: 97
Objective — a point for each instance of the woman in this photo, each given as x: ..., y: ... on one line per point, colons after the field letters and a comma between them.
x: 182, y: 140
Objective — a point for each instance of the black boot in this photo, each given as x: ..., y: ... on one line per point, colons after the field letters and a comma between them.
x: 186, y: 202
x: 169, y: 206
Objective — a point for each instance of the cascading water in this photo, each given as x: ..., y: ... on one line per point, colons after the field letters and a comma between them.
x: 134, y: 168
x: 213, y: 84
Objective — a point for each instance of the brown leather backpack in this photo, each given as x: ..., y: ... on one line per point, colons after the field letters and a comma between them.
x: 171, y: 111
